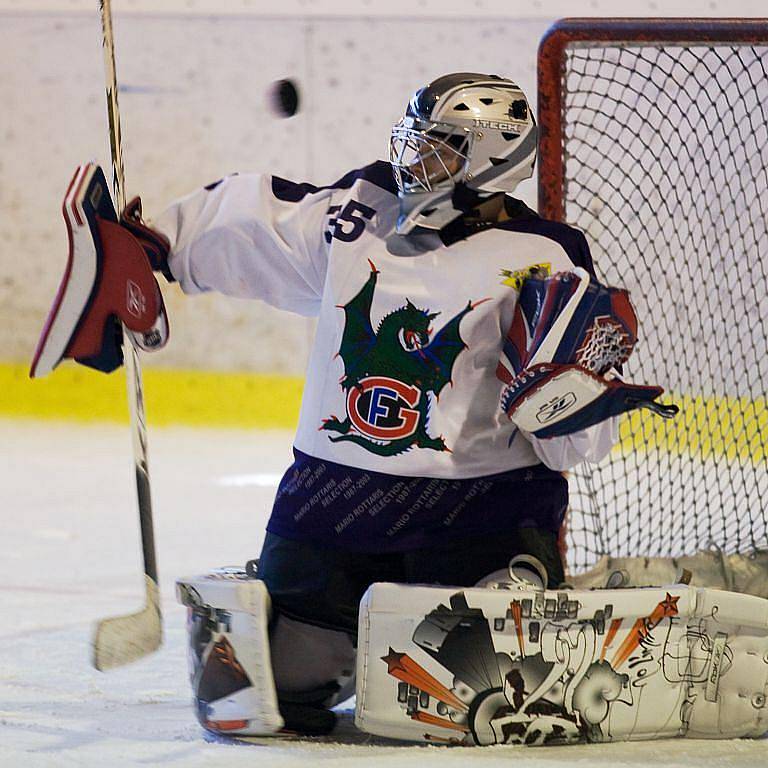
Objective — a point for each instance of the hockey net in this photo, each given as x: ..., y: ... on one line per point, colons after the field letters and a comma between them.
x: 654, y: 142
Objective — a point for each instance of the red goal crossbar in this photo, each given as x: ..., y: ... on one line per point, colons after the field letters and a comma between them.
x: 573, y: 32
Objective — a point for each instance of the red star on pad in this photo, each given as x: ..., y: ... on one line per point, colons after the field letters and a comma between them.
x: 669, y: 605
x: 394, y: 660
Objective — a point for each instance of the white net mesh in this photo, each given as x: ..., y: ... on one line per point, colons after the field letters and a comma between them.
x: 666, y: 151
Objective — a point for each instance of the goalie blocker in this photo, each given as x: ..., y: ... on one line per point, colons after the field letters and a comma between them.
x: 108, y: 280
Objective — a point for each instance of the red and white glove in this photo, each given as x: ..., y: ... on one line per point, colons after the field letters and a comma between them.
x: 108, y: 284
x: 155, y: 244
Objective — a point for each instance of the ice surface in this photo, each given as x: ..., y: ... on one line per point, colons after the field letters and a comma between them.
x: 70, y: 555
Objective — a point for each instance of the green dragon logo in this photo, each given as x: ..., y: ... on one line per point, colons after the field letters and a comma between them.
x: 390, y: 372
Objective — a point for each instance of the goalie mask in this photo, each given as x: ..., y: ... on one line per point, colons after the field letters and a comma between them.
x: 463, y: 137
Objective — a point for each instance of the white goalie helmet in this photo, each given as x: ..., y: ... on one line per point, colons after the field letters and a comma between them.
x: 463, y: 137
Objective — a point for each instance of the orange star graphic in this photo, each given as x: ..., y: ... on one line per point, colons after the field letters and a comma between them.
x: 402, y: 667
x: 669, y: 605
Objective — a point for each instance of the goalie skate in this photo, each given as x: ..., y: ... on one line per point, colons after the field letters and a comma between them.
x: 108, y: 279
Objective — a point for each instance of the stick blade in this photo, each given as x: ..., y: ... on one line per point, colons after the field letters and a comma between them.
x: 121, y: 640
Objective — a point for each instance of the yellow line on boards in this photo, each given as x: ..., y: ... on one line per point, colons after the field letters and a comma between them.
x: 733, y: 428
x: 197, y: 398
x: 707, y: 427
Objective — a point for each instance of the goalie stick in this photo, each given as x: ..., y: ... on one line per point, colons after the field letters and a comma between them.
x: 123, y: 639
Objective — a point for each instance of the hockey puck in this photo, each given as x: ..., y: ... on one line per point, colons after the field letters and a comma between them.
x: 284, y: 98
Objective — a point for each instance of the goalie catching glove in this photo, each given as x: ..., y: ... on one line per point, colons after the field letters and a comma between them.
x: 568, y: 335
x: 108, y: 283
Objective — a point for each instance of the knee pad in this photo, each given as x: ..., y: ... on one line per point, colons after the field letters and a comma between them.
x: 229, y: 654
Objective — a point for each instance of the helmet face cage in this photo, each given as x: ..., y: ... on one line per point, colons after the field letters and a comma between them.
x: 429, y: 157
x: 461, y: 129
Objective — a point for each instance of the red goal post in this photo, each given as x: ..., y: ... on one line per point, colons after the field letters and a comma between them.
x: 582, y: 32
x: 654, y: 142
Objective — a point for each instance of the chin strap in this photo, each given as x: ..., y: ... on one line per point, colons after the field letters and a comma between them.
x: 440, y: 209
x: 465, y: 199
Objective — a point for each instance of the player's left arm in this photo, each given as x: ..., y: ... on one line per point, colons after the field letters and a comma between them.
x: 567, y: 341
x: 568, y: 335
x: 592, y: 444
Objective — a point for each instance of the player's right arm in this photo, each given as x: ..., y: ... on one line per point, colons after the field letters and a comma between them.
x: 251, y: 236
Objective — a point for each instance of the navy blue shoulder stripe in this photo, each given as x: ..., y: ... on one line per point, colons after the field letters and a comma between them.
x: 378, y: 173
x: 210, y: 187
x: 572, y: 240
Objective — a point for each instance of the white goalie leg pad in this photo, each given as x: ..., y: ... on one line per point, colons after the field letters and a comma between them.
x: 229, y: 654
x: 512, y: 664
x: 742, y: 573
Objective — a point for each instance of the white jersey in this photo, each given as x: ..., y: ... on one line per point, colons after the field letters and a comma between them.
x: 402, y: 375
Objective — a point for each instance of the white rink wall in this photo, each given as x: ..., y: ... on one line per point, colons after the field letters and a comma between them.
x: 193, y: 76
